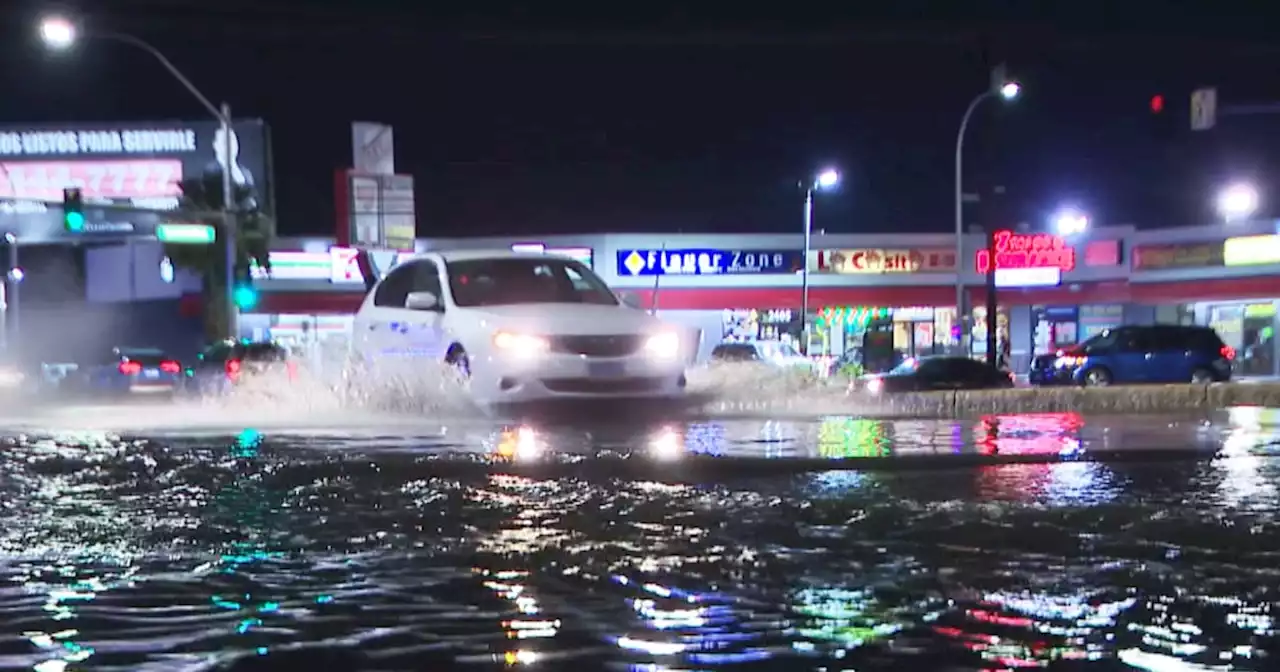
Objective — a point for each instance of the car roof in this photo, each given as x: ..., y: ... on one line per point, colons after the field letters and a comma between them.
x: 482, y: 254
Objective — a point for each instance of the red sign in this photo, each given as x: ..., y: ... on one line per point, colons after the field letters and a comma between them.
x: 1021, y: 250
x: 45, y: 180
x: 1102, y: 253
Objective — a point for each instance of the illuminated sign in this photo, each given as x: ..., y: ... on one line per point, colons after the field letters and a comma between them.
x: 707, y: 262
x: 1251, y: 251
x: 341, y: 267
x: 1021, y: 250
x: 1198, y: 255
x: 1102, y: 253
x: 1039, y: 276
x: 581, y: 255
x: 852, y: 262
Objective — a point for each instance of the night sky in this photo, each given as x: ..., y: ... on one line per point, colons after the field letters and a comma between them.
x: 661, y: 121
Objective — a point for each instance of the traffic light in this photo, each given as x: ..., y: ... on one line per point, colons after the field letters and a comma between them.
x: 246, y: 296
x: 72, y: 210
x: 1157, y: 104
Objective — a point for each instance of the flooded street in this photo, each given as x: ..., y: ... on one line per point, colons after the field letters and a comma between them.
x: 830, y: 543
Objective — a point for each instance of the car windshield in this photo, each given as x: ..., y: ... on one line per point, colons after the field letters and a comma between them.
x: 908, y: 365
x: 525, y: 280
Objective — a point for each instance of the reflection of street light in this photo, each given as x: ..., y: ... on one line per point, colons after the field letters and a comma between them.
x: 1070, y: 223
x: 1000, y: 85
x: 827, y: 179
x: 1237, y: 201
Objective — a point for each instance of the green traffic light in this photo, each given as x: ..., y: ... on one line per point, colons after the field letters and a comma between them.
x: 74, y: 221
x: 246, y: 297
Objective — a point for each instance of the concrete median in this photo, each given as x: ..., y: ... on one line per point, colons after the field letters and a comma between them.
x: 1107, y: 400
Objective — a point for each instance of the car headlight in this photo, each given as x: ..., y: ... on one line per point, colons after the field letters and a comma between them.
x: 666, y: 346
x: 521, y: 344
x: 875, y: 385
x: 10, y: 378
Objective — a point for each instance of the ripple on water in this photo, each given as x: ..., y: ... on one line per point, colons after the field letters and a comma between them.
x: 266, y: 553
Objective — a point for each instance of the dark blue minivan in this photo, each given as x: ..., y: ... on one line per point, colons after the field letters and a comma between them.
x: 1136, y: 355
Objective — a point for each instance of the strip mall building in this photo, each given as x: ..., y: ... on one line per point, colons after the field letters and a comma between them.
x: 1053, y: 291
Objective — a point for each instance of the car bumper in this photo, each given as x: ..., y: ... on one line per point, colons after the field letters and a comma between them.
x: 502, y: 379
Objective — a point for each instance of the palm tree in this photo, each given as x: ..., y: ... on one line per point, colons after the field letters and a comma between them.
x: 202, y: 201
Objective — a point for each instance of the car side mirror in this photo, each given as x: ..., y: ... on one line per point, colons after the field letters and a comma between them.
x: 423, y: 301
x: 632, y: 301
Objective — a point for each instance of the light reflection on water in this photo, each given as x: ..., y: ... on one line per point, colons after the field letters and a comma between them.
x: 267, y: 552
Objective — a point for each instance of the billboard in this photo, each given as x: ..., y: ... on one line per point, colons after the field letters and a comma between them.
x: 375, y: 211
x: 124, y: 165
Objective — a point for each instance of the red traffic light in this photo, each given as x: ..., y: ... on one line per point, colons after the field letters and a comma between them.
x: 1157, y: 104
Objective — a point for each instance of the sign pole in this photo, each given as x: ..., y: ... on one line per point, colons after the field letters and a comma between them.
x: 15, y: 339
x: 804, y: 272
x: 228, y: 228
x: 992, y: 304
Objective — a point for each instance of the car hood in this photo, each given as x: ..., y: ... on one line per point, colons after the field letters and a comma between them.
x: 569, y: 319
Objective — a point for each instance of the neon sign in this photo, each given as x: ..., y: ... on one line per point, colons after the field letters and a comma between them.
x: 1021, y: 250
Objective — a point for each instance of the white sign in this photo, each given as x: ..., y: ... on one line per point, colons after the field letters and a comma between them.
x: 140, y: 141
x: 1029, y: 277
x: 1204, y: 109
x: 372, y: 148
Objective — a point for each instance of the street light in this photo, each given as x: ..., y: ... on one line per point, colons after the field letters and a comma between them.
x: 57, y: 32
x: 1070, y: 222
x: 60, y: 33
x: 1008, y: 90
x: 1237, y: 201
x: 823, y: 181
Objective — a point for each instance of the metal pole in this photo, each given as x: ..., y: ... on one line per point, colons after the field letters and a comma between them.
x: 992, y: 306
x: 959, y: 197
x: 15, y: 340
x: 804, y: 271
x: 229, y: 227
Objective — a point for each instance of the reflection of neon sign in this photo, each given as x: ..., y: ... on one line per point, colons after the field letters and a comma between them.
x: 1021, y: 250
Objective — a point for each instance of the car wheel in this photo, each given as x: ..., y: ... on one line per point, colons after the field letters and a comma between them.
x: 1202, y: 377
x: 1097, y: 378
x: 457, y: 358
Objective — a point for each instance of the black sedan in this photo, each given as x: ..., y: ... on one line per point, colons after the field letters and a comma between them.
x: 929, y: 374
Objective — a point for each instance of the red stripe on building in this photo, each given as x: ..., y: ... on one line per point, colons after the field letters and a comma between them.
x: 764, y: 298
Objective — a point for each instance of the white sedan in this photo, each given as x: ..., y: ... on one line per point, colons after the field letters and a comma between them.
x: 521, y: 326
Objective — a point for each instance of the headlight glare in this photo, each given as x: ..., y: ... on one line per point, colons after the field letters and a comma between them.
x: 520, y: 343
x: 665, y: 345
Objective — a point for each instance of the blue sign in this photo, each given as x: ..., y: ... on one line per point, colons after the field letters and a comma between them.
x: 708, y: 262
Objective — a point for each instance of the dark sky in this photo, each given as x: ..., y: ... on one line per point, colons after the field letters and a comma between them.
x: 658, y: 120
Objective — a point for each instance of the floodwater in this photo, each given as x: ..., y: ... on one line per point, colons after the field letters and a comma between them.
x: 826, y: 543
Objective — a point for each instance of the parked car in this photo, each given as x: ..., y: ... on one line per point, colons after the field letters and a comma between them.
x: 771, y: 353
x: 937, y: 373
x: 1138, y: 354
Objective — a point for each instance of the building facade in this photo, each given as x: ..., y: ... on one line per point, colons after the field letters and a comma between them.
x: 1052, y: 291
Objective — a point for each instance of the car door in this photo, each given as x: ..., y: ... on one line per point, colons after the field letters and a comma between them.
x: 1132, y: 357
x: 424, y: 329
x: 1168, y: 355
x: 384, y: 321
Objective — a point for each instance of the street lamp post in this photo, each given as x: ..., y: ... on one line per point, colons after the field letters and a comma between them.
x: 1008, y: 90
x: 827, y: 179
x: 13, y: 340
x: 58, y: 33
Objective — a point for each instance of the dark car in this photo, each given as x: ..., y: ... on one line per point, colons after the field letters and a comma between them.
x: 127, y: 371
x: 936, y: 373
x: 1138, y: 354
x: 228, y: 363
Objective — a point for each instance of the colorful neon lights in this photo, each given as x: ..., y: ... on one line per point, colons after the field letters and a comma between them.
x: 1021, y: 250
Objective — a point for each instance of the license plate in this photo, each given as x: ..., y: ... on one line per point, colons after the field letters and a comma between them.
x: 606, y: 369
x: 151, y: 373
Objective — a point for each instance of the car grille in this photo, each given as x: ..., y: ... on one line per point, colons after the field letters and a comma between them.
x: 602, y: 386
x: 597, y: 346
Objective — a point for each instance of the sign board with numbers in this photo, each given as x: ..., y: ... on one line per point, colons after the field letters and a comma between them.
x: 707, y: 262
x: 1204, y: 109
x: 138, y: 165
